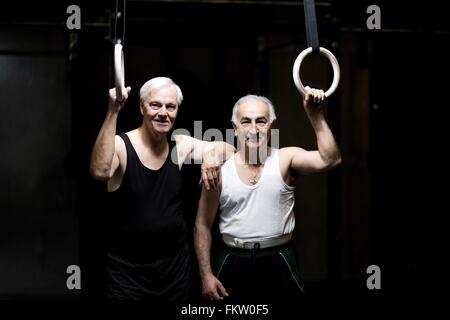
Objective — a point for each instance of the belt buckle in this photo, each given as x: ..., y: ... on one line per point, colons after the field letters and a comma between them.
x: 251, y: 245
x: 247, y: 245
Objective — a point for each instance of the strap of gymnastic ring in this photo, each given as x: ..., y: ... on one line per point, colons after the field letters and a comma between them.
x: 312, y: 38
x: 313, y: 46
x: 119, y: 16
x: 119, y: 68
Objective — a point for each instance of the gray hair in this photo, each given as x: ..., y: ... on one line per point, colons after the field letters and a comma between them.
x: 158, y: 83
x: 272, y: 116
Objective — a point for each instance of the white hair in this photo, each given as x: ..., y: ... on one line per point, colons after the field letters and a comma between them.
x: 158, y: 83
x: 272, y: 116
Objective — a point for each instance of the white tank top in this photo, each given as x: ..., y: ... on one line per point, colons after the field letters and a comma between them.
x: 260, y: 211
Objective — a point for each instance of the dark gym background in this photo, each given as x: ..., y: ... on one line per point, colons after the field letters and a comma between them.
x: 53, y: 97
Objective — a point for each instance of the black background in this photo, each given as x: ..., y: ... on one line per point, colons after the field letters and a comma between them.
x: 379, y: 207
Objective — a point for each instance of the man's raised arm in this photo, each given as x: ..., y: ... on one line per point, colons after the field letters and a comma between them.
x: 327, y: 156
x: 104, y: 158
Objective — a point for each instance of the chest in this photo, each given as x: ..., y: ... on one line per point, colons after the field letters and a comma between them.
x: 249, y: 175
x: 151, y: 160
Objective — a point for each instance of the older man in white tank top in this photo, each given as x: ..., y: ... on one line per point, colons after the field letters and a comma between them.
x: 256, y: 200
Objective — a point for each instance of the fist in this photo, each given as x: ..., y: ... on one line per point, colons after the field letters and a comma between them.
x: 114, y: 104
x: 314, y: 96
x: 312, y: 100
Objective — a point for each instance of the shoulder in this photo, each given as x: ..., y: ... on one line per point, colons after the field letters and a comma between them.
x: 184, y: 140
x: 179, y: 138
x: 132, y: 137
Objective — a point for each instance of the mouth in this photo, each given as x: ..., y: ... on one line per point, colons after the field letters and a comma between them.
x: 254, y: 139
x: 253, y: 143
x: 162, y: 122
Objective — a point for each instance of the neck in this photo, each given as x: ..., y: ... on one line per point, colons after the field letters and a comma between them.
x: 157, y: 143
x: 254, y: 156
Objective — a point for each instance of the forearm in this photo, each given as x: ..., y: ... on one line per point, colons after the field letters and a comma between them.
x: 104, y: 147
x: 220, y: 149
x: 326, y: 144
x: 202, y: 243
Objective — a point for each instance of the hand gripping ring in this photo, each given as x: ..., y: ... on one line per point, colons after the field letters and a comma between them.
x: 331, y: 58
x: 119, y: 71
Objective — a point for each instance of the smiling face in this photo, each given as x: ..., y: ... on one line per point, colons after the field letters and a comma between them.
x: 159, y: 110
x: 253, y: 124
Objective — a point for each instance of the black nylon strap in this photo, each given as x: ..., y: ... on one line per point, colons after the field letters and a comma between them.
x: 312, y: 38
x: 120, y: 20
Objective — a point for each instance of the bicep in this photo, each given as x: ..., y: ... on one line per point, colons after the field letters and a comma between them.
x: 306, y: 162
x: 217, y: 149
x: 189, y: 148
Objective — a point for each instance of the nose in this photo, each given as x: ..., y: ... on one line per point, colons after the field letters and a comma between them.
x: 254, y: 127
x: 162, y: 111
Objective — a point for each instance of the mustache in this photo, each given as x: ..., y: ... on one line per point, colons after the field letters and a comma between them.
x: 254, y: 136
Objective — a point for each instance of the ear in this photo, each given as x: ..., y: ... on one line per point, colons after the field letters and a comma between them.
x: 141, y: 108
x: 234, y: 127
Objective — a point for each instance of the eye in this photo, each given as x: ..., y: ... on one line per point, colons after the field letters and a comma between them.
x: 261, y: 122
x: 155, y: 105
x: 171, y: 107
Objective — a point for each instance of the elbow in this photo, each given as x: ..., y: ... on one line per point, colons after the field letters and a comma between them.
x: 99, y: 173
x: 333, y: 162
x: 336, y: 161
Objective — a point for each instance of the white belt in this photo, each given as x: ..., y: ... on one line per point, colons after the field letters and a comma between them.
x: 250, y: 244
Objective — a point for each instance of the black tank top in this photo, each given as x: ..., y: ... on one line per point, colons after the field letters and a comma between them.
x: 146, y: 218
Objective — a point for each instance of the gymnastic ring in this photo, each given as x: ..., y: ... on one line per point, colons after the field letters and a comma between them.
x: 331, y: 58
x: 119, y: 71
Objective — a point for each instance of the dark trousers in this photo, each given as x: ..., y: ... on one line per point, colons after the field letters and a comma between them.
x: 260, y: 275
x: 163, y: 278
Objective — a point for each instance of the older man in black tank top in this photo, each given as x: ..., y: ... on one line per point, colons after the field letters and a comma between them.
x: 147, y: 253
